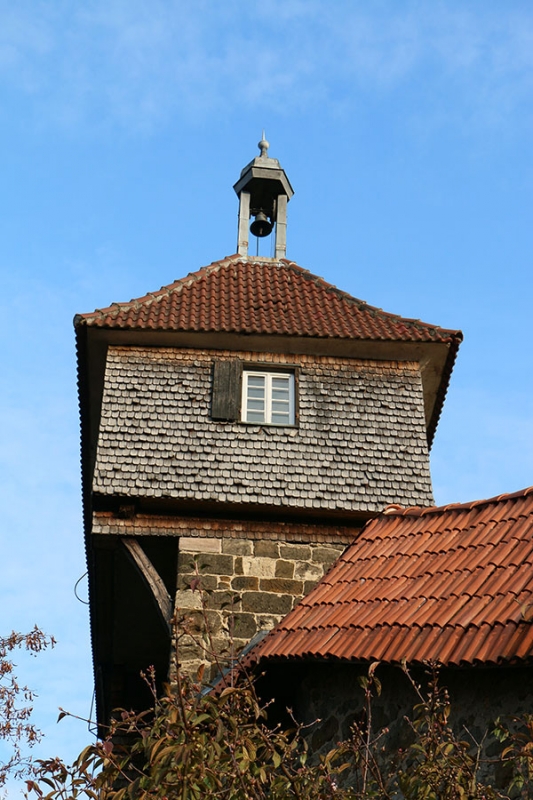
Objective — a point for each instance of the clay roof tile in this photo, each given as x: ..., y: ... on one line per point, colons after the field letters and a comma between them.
x: 263, y: 296
x: 452, y: 584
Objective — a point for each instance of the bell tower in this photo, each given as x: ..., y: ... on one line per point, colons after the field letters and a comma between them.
x: 263, y: 191
x: 245, y: 421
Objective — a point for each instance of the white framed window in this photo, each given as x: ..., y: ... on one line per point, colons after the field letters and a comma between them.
x: 267, y: 398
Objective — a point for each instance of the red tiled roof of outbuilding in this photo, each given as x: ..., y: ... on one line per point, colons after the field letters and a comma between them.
x: 452, y: 584
x: 262, y: 296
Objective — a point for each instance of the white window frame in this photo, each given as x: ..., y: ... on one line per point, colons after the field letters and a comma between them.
x: 268, y: 376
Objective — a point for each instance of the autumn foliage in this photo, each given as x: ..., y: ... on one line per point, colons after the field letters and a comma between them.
x: 199, y: 742
x: 195, y: 744
x: 16, y: 702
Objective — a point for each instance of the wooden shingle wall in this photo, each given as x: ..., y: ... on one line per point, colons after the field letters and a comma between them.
x: 359, y: 442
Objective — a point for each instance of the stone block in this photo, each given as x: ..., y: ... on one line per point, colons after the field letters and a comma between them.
x: 214, y: 622
x: 187, y: 599
x: 207, y: 582
x: 281, y: 586
x: 306, y: 571
x: 266, y: 548
x: 296, y: 552
x: 223, y: 600
x: 266, y: 603
x: 199, y: 544
x: 239, y: 644
x: 261, y: 567
x: 186, y: 563
x: 215, y: 564
x: 327, y: 555
x: 191, y: 620
x: 237, y: 547
x: 266, y: 622
x: 308, y: 585
x: 188, y: 651
x: 223, y: 645
x: 284, y: 569
x: 248, y: 582
x: 243, y: 626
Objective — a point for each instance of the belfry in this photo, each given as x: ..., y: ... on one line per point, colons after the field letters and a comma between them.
x: 263, y: 191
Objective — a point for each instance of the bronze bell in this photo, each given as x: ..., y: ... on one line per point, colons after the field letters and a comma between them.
x: 261, y: 226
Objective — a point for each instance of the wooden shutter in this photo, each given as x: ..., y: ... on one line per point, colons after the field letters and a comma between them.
x: 226, y: 397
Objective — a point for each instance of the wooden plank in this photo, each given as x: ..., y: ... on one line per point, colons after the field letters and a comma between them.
x: 152, y: 578
x: 226, y: 396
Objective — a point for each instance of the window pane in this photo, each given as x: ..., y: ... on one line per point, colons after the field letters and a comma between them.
x: 280, y: 383
x: 280, y: 397
x: 280, y: 401
x: 255, y: 398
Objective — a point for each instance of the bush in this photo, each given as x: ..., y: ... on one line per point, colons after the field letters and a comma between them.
x: 193, y: 744
x: 197, y: 742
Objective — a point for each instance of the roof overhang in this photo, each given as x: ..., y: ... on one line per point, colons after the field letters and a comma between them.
x: 261, y: 169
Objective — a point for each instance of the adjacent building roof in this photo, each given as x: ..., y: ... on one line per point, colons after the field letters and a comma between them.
x: 452, y: 584
x: 262, y: 296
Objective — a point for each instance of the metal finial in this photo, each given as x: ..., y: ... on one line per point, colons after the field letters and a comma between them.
x: 263, y: 145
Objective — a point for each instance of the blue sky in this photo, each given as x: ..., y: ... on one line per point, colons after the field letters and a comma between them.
x: 405, y: 129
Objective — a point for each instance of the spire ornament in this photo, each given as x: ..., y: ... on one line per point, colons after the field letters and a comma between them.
x: 263, y: 146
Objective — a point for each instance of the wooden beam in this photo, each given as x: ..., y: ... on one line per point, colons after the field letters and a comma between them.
x: 152, y: 578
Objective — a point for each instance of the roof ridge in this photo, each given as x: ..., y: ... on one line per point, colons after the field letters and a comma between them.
x: 165, y: 290
x: 394, y: 509
x: 367, y: 306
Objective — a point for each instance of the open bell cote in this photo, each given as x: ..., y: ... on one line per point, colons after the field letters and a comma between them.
x: 264, y: 191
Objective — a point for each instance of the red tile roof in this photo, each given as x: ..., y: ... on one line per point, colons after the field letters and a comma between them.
x: 262, y: 296
x: 452, y: 584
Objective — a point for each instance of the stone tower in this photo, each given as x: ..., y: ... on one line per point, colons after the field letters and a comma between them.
x: 243, y: 422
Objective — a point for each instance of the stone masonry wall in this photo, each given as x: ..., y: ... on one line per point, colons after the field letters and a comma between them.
x: 328, y: 698
x: 252, y: 572
x: 359, y: 441
x: 248, y: 585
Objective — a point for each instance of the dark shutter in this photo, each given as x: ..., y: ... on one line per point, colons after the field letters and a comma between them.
x: 226, y: 398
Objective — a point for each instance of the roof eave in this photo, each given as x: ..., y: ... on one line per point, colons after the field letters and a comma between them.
x: 455, y: 342
x: 440, y: 356
x: 86, y: 479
